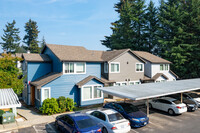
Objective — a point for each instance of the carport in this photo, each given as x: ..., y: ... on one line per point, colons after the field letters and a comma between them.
x: 152, y: 90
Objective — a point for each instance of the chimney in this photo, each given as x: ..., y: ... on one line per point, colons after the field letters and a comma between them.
x: 28, y: 52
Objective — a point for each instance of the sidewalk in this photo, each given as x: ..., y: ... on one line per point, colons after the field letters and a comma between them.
x: 32, y: 118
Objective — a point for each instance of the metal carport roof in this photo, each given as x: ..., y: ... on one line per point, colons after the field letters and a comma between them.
x: 152, y: 90
x: 8, y: 99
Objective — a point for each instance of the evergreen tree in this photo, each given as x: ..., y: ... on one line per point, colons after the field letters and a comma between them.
x: 30, y: 39
x: 11, y: 37
x: 151, y: 29
x: 43, y: 43
x: 128, y: 31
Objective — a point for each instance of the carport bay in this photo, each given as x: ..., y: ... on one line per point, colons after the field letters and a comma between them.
x: 152, y: 90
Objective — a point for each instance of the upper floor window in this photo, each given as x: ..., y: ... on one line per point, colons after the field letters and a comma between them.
x: 114, y: 67
x: 72, y: 67
x: 105, y: 67
x: 139, y: 67
x: 164, y: 67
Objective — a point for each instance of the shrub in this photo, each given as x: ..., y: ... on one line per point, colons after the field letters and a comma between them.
x: 1, y: 112
x: 62, y: 102
x: 70, y: 104
x: 50, y: 106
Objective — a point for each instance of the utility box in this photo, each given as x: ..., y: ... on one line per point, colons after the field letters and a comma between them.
x: 7, y: 117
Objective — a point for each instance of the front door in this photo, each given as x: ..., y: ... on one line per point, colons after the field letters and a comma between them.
x: 33, y: 95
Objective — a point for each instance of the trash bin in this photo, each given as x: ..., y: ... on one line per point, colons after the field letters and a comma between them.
x: 7, y: 117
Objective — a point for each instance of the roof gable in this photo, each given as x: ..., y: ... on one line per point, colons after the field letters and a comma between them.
x: 87, y: 79
x: 151, y: 58
x: 30, y: 57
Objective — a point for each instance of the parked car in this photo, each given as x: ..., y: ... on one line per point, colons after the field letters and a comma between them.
x: 136, y: 117
x: 77, y: 123
x: 113, y: 122
x: 168, y: 104
x: 193, y: 96
x: 191, y: 105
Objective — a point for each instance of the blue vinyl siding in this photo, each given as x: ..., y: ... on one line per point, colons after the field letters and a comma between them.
x: 66, y: 84
x: 37, y: 69
x: 95, y: 101
x: 57, y: 64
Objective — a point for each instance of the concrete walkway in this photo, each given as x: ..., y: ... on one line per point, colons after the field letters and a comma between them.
x: 32, y: 118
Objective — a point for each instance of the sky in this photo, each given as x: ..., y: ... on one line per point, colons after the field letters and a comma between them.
x: 66, y: 22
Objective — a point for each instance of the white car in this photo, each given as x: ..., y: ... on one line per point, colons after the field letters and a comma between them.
x: 168, y: 104
x: 113, y: 122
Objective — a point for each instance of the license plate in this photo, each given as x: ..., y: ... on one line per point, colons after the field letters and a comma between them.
x: 122, y: 126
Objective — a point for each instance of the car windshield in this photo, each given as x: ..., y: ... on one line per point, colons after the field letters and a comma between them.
x: 115, y: 117
x: 177, y: 102
x: 129, y: 108
x: 193, y: 95
x: 86, y: 123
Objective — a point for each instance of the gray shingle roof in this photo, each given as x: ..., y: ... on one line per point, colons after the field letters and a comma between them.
x: 8, y: 99
x: 45, y: 79
x: 151, y: 58
x: 36, y: 57
x: 87, y: 79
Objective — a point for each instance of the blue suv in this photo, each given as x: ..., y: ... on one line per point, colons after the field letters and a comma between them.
x: 136, y: 117
x: 77, y: 123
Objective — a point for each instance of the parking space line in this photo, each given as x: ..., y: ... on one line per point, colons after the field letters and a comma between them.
x: 134, y: 131
x: 169, y: 117
x: 155, y: 124
x: 35, y: 129
x: 51, y: 127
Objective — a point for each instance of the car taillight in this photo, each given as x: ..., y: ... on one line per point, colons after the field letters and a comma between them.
x: 178, y: 107
x: 129, y: 124
x: 113, y: 128
x: 99, y: 130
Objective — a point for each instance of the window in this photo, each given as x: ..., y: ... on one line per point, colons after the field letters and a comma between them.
x: 91, y: 92
x: 105, y: 67
x: 131, y: 83
x: 120, y: 83
x: 123, y: 84
x: 134, y: 82
x: 74, y: 68
x: 38, y: 94
x: 46, y: 93
x: 87, y: 92
x: 139, y: 67
x: 117, y: 84
x: 97, y: 93
x: 80, y: 67
x: 164, y: 67
x: 114, y: 68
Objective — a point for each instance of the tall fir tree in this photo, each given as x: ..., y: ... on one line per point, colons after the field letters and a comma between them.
x: 128, y: 31
x: 151, y: 29
x: 30, y: 39
x: 11, y: 39
x: 42, y: 43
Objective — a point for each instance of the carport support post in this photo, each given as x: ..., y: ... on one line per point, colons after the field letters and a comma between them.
x: 147, y: 102
x: 181, y: 97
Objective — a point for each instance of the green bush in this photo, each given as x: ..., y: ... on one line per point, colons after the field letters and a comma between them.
x: 62, y: 102
x: 70, y: 104
x: 1, y: 112
x: 50, y: 106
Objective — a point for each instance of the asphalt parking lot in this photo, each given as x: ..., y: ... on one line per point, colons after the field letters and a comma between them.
x: 160, y: 122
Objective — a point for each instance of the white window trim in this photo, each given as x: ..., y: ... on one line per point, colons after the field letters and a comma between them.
x: 92, y: 92
x: 74, y: 68
x: 136, y: 67
x: 164, y: 67
x: 114, y: 63
x: 36, y: 94
x: 134, y: 82
x: 42, y: 91
x: 121, y: 83
x: 106, y: 65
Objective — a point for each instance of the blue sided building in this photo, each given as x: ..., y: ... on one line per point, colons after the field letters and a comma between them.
x: 60, y: 70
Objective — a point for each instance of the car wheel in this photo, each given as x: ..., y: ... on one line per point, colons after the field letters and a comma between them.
x: 171, y: 112
x: 150, y: 106
x: 104, y: 130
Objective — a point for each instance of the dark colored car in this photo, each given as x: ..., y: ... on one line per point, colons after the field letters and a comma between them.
x: 193, y: 96
x: 191, y: 105
x: 136, y: 117
x: 77, y: 123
